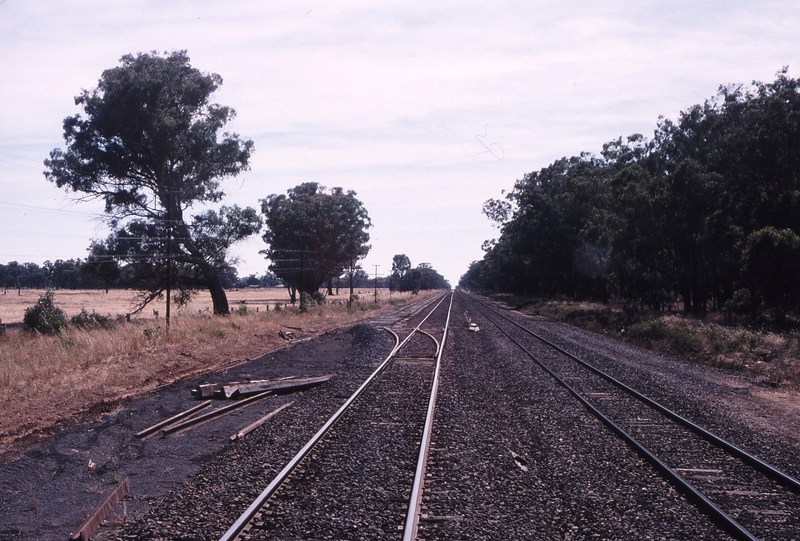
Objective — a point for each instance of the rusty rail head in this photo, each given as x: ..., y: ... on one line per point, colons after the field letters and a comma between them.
x: 103, y: 510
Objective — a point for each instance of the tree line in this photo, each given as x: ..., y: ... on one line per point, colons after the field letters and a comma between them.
x: 421, y: 277
x: 76, y: 274
x: 703, y: 216
x: 58, y: 274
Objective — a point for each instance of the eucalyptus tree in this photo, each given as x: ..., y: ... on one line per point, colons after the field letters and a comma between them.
x: 314, y: 234
x: 150, y: 147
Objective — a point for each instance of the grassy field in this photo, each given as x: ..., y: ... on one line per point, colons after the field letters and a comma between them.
x: 47, y: 378
x: 123, y: 301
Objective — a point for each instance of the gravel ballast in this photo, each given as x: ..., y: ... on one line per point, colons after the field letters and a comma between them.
x: 513, y: 455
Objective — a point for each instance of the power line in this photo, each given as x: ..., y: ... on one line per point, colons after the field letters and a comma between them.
x: 47, y: 209
x: 18, y: 157
x: 21, y: 165
x: 41, y: 233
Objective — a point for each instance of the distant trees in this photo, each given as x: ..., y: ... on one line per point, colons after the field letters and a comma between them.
x: 422, y: 277
x: 704, y: 214
x: 58, y: 274
x: 149, y: 146
x: 267, y: 279
x: 314, y: 234
x: 400, y: 277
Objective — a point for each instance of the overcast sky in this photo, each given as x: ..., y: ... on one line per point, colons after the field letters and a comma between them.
x: 425, y: 109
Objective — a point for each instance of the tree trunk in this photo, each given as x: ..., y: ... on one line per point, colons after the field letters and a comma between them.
x: 218, y: 297
x: 350, y: 298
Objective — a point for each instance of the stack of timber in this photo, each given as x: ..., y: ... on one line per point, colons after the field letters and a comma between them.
x: 238, y: 389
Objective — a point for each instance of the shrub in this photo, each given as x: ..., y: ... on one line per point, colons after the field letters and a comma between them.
x: 153, y: 332
x: 85, y: 320
x: 647, y: 331
x: 45, y: 317
x: 242, y: 310
x: 682, y: 340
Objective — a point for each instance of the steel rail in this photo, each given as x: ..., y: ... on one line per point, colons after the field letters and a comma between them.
x: 149, y: 431
x: 720, y: 517
x: 262, y: 498
x: 214, y: 414
x: 765, y: 468
x: 396, y: 337
x: 415, y: 501
x: 435, y: 341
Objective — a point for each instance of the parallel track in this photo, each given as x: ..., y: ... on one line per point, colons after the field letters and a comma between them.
x: 743, y: 494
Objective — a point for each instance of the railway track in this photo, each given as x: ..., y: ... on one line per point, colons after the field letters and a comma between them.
x: 361, y: 474
x: 745, y: 496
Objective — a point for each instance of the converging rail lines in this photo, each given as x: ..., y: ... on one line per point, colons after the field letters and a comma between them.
x: 369, y: 457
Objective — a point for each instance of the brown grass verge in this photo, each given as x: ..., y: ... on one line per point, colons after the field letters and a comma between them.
x: 769, y: 355
x: 44, y: 379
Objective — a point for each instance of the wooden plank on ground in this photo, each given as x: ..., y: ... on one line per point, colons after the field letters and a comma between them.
x: 276, y: 386
x: 234, y: 389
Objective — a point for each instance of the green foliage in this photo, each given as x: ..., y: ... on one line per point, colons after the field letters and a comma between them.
x: 421, y: 277
x: 58, y: 274
x: 647, y: 331
x: 45, y: 317
x: 148, y: 146
x: 314, y: 234
x: 771, y: 262
x: 87, y: 320
x: 655, y: 334
x: 705, y: 214
x: 242, y: 309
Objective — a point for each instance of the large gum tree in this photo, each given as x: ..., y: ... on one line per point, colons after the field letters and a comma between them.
x: 314, y: 234
x: 150, y: 147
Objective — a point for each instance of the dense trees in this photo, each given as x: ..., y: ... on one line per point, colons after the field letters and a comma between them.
x: 314, y: 234
x: 706, y: 214
x: 149, y: 147
x: 421, y: 277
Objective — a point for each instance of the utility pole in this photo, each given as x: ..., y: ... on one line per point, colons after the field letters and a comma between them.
x: 302, y: 265
x: 169, y: 257
x: 376, y: 283
x: 302, y: 269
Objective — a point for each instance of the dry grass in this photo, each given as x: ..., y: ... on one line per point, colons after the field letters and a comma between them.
x: 123, y: 301
x: 45, y: 378
x: 767, y: 354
